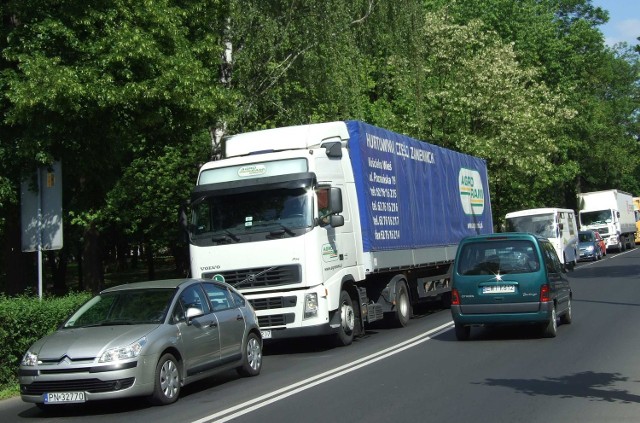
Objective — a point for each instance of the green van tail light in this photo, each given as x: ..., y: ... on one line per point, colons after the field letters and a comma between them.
x: 455, y: 297
x: 544, y: 294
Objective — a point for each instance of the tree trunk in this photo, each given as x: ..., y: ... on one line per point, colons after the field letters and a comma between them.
x: 151, y: 269
x: 93, y: 277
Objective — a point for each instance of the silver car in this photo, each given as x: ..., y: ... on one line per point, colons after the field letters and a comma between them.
x: 143, y: 339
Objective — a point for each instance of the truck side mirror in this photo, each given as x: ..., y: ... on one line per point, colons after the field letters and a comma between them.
x: 336, y: 220
x: 335, y: 200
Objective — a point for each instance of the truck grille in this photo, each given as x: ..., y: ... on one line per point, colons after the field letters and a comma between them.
x: 276, y: 320
x: 260, y: 277
x: 274, y: 302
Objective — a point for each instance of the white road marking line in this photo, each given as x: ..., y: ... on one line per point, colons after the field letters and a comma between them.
x: 254, y: 404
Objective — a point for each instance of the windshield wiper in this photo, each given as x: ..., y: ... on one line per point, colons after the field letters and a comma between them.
x: 227, y: 234
x: 107, y: 323
x: 282, y: 230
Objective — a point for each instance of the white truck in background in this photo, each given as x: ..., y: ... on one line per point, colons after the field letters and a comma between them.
x: 609, y: 212
x: 327, y: 227
x: 559, y: 226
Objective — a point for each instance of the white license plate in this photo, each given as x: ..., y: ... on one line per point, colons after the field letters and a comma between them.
x: 498, y: 289
x: 266, y: 334
x: 64, y: 397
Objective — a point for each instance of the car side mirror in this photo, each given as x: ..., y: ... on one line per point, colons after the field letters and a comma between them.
x: 192, y: 313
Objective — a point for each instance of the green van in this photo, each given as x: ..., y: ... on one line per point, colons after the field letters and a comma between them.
x: 509, y: 279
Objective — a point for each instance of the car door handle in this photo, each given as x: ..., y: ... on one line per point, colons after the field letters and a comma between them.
x: 212, y: 325
x: 239, y: 317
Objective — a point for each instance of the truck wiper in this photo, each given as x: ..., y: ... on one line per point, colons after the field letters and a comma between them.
x: 227, y: 234
x: 253, y: 276
x: 282, y: 230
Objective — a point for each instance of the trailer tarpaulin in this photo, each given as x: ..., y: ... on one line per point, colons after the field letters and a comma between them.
x: 416, y: 194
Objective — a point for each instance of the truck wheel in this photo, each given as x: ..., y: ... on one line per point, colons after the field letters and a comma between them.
x: 344, y: 336
x: 403, y: 306
x: 550, y: 329
x: 167, y: 383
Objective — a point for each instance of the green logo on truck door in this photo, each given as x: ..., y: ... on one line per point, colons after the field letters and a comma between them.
x: 329, y: 253
x: 471, y: 191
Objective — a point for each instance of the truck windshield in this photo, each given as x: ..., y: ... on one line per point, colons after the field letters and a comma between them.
x: 599, y: 217
x: 252, y: 216
x: 539, y: 224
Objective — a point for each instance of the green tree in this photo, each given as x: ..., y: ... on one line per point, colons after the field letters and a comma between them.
x: 98, y: 85
x: 471, y: 94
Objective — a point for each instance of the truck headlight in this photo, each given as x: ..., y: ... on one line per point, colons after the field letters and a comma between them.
x: 590, y: 248
x: 310, y: 305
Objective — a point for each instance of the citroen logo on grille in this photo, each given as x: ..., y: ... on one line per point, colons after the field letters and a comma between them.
x: 65, y: 360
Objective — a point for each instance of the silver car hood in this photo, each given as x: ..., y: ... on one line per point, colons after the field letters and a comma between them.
x: 87, y: 343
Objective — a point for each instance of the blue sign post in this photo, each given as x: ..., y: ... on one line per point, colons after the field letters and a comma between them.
x: 41, y: 214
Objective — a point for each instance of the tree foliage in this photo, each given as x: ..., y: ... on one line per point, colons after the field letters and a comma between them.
x: 126, y: 94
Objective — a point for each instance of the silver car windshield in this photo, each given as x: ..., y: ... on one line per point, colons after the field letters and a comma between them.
x: 128, y: 307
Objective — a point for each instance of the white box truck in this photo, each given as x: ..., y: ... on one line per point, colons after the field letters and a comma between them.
x: 559, y: 226
x: 611, y: 213
x: 327, y: 227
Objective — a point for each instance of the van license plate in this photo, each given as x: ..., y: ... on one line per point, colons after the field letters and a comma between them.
x: 498, y: 289
x: 266, y: 334
x: 63, y: 397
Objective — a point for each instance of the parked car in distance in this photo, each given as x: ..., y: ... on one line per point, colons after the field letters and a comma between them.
x: 601, y: 243
x: 509, y: 279
x: 143, y: 339
x: 589, y: 246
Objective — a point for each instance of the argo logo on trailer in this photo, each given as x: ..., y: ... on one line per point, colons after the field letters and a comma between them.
x: 471, y: 191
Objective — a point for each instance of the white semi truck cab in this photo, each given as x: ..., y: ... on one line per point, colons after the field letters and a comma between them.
x: 611, y: 213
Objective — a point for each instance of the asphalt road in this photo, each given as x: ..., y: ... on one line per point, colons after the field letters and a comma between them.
x: 589, y: 373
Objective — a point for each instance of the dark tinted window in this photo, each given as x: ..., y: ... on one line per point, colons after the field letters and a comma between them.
x: 585, y: 236
x: 191, y: 297
x: 219, y: 296
x: 124, y: 307
x: 501, y: 256
x: 551, y: 260
x: 239, y: 299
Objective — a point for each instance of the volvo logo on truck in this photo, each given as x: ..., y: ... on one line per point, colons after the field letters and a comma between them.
x: 471, y: 191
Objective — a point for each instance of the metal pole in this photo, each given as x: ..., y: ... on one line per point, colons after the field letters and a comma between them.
x: 39, y: 176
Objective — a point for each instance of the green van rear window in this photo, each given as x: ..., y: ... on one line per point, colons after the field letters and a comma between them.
x: 497, y: 257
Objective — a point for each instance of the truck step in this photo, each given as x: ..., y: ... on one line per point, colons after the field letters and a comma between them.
x: 374, y: 312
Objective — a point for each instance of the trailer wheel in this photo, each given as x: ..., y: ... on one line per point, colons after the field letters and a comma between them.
x: 345, y: 333
x: 403, y: 306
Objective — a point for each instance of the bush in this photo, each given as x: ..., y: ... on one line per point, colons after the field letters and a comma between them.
x: 24, y: 320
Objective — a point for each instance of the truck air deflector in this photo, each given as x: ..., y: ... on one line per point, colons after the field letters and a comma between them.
x: 296, y: 180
